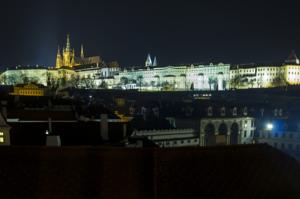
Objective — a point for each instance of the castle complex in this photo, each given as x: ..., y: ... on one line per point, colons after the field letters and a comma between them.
x: 92, y: 72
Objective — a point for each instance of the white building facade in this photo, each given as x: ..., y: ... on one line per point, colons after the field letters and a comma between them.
x: 170, y: 138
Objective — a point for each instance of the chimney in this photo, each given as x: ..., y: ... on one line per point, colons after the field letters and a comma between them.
x: 124, y: 130
x: 104, y: 126
x: 52, y: 140
x: 4, y: 109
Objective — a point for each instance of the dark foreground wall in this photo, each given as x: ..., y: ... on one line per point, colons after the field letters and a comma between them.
x: 91, y: 172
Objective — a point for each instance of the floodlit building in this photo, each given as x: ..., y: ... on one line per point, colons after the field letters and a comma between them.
x: 183, y: 77
x: 281, y: 133
x: 92, y: 72
x: 68, y: 58
x: 28, y: 90
x: 224, y: 127
x: 170, y: 137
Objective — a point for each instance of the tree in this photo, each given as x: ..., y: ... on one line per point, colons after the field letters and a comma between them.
x: 152, y: 83
x: 24, y: 78
x: 279, y: 80
x: 87, y: 82
x: 11, y: 80
x: 212, y: 82
x: 74, y: 81
x: 192, y: 86
x: 157, y: 80
x: 140, y: 81
x: 235, y: 82
x: 3, y: 79
x: 166, y: 85
x: 185, y: 83
x: 124, y: 81
x: 103, y: 85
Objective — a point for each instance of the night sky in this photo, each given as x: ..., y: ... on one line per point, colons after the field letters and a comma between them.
x: 175, y: 32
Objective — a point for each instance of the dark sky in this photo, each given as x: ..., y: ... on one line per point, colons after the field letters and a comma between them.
x: 175, y: 31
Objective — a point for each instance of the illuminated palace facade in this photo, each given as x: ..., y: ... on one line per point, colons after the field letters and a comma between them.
x: 93, y: 72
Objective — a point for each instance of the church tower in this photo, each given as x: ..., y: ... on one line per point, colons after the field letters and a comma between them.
x: 59, y: 61
x: 154, y: 62
x: 148, y: 61
x: 68, y: 54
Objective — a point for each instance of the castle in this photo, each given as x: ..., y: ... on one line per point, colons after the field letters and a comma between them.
x: 68, y: 59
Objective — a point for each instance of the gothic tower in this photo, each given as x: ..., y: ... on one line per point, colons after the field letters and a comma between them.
x: 59, y: 61
x: 154, y: 62
x: 68, y: 54
x: 148, y: 61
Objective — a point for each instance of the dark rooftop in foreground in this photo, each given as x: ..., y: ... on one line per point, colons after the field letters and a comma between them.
x: 248, y: 171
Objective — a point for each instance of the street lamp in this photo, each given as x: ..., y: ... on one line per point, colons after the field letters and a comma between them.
x: 269, y: 126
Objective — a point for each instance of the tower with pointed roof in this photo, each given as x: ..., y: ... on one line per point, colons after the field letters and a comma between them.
x: 59, y: 61
x: 154, y: 62
x: 81, y: 52
x: 148, y: 61
x: 68, y: 54
x: 68, y: 58
x: 292, y: 58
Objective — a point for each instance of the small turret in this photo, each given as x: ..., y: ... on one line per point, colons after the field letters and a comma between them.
x: 292, y: 58
x: 58, y: 59
x: 82, y: 52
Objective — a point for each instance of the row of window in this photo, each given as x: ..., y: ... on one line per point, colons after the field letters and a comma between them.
x: 285, y: 146
x: 294, y: 73
x: 268, y: 69
x: 277, y: 135
x: 180, y: 142
x: 268, y: 74
x: 22, y: 92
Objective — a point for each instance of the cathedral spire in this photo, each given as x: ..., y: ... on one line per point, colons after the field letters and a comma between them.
x: 58, y: 59
x: 154, y: 62
x: 82, y: 52
x: 148, y: 61
x: 68, y: 46
x: 58, y: 51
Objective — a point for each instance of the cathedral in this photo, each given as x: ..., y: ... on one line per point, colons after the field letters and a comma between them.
x: 68, y: 59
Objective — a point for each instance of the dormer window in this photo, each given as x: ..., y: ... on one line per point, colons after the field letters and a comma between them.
x: 223, y: 111
x: 234, y: 111
x: 210, y: 111
x: 245, y: 111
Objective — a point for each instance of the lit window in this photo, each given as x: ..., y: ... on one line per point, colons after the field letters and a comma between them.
x: 1, y: 137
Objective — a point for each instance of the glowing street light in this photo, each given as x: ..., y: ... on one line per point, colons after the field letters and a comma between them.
x: 269, y: 126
